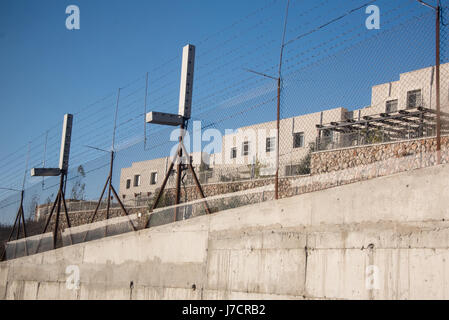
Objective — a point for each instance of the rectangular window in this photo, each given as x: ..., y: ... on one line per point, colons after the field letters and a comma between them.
x: 298, y: 140
x: 328, y: 134
x: 271, y: 142
x: 349, y: 115
x: 392, y: 106
x: 233, y: 153
x: 128, y: 183
x: 414, y: 99
x: 245, y: 148
x: 153, y: 179
x: 136, y: 180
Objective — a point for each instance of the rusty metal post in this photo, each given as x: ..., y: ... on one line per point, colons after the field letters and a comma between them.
x: 47, y: 223
x: 279, y: 79
x: 178, y: 173
x: 197, y: 182
x: 58, y: 209
x: 108, y: 202
x: 123, y: 207
x: 200, y: 189
x: 99, y: 201
x: 278, y: 121
x: 437, y: 76
x: 164, y: 183
x: 111, y: 168
x: 278, y: 109
x: 67, y: 218
x: 23, y: 221
x: 19, y: 213
x: 23, y: 214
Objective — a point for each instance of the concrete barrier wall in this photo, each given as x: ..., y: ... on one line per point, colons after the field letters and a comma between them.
x: 381, y: 239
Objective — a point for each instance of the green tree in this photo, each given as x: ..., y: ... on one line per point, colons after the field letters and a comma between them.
x: 374, y: 136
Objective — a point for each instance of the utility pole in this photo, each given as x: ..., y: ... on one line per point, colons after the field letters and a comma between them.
x: 278, y: 124
x: 278, y: 109
x: 437, y: 73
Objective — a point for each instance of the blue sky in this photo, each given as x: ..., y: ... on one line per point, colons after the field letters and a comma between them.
x: 47, y: 70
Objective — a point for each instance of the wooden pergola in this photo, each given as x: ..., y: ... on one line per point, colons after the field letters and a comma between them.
x: 403, y: 124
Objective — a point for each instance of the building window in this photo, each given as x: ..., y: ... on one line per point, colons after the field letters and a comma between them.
x: 136, y: 180
x: 328, y: 135
x: 233, y: 153
x: 245, y: 148
x: 153, y: 179
x: 298, y: 140
x: 414, y: 99
x: 349, y: 115
x: 128, y: 183
x: 271, y: 142
x: 392, y: 106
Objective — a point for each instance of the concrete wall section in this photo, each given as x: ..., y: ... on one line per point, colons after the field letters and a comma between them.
x: 314, y: 246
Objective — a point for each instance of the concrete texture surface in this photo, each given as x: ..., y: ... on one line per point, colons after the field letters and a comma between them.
x: 386, y: 238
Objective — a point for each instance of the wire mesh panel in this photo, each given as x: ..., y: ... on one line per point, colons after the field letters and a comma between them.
x: 28, y: 246
x: 100, y: 229
x: 356, y: 101
x: 212, y: 204
x: 352, y: 96
x: 16, y: 249
x: 442, y: 56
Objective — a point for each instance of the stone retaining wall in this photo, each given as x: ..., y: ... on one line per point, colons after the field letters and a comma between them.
x: 188, y: 194
x: 316, y: 246
x: 329, y: 169
x: 391, y: 157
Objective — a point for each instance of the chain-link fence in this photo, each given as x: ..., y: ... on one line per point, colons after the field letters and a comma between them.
x: 355, y: 103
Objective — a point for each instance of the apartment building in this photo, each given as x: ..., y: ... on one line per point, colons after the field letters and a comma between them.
x: 142, y: 179
x: 413, y: 89
x: 250, y: 152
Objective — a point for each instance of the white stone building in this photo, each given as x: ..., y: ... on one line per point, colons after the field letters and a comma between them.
x: 250, y: 152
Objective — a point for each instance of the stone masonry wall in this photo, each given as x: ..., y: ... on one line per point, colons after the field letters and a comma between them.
x: 329, y: 169
x: 390, y: 157
x: 188, y: 194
